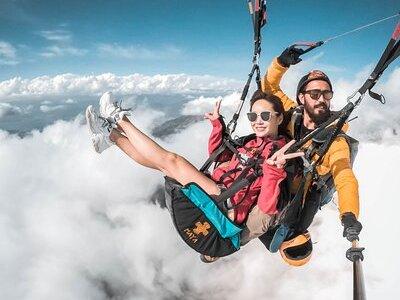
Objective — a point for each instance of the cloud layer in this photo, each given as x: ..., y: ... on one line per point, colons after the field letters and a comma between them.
x: 70, y: 85
x: 76, y: 225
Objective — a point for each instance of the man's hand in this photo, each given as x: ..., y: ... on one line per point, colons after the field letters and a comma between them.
x: 352, y: 227
x: 214, y: 115
x: 290, y: 56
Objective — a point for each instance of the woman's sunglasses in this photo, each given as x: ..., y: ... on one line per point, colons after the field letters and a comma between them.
x: 265, y: 115
x: 315, y: 94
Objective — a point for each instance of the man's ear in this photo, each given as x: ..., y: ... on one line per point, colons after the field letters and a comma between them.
x: 301, y: 98
x: 280, y: 119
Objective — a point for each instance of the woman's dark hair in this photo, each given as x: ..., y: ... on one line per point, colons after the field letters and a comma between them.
x: 274, y: 100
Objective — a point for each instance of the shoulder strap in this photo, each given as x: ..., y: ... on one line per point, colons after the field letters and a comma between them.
x: 353, y: 146
x: 291, y: 124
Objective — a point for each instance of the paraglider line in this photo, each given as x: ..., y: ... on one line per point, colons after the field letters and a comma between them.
x: 360, y: 28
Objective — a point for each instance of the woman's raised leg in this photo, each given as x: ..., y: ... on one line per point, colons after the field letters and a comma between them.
x: 125, y: 145
x: 147, y: 152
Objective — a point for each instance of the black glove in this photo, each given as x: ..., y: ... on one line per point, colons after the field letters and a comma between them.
x: 352, y: 227
x: 290, y: 56
x: 354, y: 254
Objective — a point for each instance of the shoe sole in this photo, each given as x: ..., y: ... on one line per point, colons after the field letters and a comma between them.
x: 94, y: 145
x: 106, y: 97
x: 88, y: 114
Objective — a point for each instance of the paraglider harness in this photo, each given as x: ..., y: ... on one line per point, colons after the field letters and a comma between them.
x: 314, y: 190
x: 298, y: 208
x: 201, y: 220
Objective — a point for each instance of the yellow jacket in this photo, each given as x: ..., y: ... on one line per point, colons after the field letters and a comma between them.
x: 336, y: 160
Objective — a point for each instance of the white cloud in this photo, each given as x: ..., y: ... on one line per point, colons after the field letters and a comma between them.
x: 63, y: 36
x: 71, y: 85
x: 61, y: 44
x: 46, y: 108
x: 138, y: 52
x: 70, y: 101
x: 7, y: 109
x: 8, y: 54
x: 57, y: 50
x: 76, y: 225
x: 205, y: 104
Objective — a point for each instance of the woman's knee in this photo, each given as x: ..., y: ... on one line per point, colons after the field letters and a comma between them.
x: 170, y: 161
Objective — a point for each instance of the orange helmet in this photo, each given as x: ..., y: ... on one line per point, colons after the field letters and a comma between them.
x: 297, y: 250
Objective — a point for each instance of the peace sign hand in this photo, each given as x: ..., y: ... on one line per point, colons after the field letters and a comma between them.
x: 279, y: 158
x: 215, y: 114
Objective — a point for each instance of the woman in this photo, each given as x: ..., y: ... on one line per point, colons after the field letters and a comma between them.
x: 113, y: 127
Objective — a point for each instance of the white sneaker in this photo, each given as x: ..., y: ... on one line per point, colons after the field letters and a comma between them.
x: 99, y: 130
x: 111, y: 110
x: 100, y: 142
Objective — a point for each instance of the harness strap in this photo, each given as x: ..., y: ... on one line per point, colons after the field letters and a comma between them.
x: 237, y: 186
x: 227, y: 174
x: 244, y: 179
x: 213, y: 157
x: 258, y: 11
x: 391, y: 52
x: 326, y: 145
x: 232, y: 123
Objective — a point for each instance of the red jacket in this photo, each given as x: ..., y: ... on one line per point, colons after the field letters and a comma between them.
x: 265, y: 189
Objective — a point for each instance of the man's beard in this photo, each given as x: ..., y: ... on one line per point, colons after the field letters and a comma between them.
x: 320, y: 117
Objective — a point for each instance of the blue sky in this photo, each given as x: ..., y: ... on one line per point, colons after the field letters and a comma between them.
x: 40, y: 37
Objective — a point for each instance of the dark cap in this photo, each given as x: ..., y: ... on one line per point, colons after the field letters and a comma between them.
x: 313, y: 75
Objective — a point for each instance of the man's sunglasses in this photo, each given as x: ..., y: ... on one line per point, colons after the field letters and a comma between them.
x: 315, y: 94
x: 265, y: 115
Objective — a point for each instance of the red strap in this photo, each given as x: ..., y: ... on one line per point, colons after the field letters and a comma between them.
x: 396, y: 32
x: 301, y: 43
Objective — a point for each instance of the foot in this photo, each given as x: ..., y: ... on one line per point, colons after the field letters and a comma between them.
x: 208, y: 259
x: 111, y: 110
x: 99, y: 130
x: 100, y: 142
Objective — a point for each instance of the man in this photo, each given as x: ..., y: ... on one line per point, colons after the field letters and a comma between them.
x: 314, y: 94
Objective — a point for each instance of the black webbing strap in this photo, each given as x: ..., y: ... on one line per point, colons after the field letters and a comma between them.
x: 291, y: 213
x: 297, y: 145
x: 238, y: 184
x: 227, y: 143
x: 258, y: 11
x: 228, y: 173
x: 391, y: 52
x: 232, y: 123
x: 332, y: 136
x: 246, y: 178
x: 213, y: 157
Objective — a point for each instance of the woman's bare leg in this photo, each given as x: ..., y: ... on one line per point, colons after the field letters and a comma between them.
x: 125, y: 145
x: 148, y: 153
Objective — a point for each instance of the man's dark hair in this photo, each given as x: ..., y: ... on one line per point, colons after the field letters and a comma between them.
x: 274, y: 100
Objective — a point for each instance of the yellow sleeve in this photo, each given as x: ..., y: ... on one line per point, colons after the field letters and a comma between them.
x: 271, y: 83
x: 344, y: 179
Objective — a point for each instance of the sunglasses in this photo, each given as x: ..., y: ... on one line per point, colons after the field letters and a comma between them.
x: 315, y: 94
x: 265, y: 115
